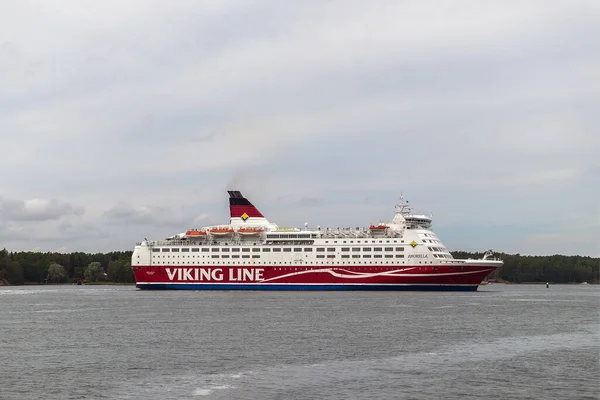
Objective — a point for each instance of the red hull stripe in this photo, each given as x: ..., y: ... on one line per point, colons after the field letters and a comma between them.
x: 264, y: 275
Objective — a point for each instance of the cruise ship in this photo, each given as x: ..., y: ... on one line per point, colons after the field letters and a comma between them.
x: 252, y: 253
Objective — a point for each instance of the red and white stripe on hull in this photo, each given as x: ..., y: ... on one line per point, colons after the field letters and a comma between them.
x: 314, y: 275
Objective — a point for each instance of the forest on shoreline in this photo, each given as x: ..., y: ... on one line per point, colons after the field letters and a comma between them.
x: 18, y: 268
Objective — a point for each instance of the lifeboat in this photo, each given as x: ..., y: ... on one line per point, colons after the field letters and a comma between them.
x: 195, y: 232
x: 250, y: 231
x: 221, y: 231
x: 378, y: 228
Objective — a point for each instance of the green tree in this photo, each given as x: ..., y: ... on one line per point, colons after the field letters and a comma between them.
x: 120, y: 271
x: 94, y: 272
x: 14, y: 272
x: 56, y: 273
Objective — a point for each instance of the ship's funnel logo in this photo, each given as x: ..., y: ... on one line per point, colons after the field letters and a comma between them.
x: 413, y: 244
x: 245, y: 216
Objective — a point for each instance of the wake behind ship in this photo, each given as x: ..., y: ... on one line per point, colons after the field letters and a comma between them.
x: 253, y: 253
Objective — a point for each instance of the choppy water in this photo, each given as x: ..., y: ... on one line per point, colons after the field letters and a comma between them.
x: 103, y: 342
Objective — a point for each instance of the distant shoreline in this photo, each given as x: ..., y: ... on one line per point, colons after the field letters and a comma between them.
x: 34, y: 268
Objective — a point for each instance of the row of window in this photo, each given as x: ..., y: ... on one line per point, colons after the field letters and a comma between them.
x: 437, y: 249
x: 235, y: 256
x: 329, y: 256
x: 291, y: 236
x: 328, y: 262
x: 363, y: 256
x: 268, y: 249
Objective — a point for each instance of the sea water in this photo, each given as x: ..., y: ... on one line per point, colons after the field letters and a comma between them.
x: 117, y: 342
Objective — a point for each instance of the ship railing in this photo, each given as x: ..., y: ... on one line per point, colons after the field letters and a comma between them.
x: 204, y: 242
x: 359, y: 234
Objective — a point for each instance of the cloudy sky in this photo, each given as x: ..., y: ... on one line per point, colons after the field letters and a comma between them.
x: 121, y: 120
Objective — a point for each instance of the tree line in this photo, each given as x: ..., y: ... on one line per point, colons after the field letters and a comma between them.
x: 554, y: 269
x: 18, y: 268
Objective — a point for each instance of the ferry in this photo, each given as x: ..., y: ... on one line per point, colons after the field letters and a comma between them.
x: 252, y: 253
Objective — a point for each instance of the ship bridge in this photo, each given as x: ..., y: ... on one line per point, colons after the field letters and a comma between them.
x: 417, y: 221
x: 405, y: 218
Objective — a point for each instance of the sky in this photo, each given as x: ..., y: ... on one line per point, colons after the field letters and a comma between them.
x: 121, y: 121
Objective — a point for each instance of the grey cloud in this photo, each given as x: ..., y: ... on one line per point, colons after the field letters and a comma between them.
x: 36, y: 209
x: 124, y: 214
x: 298, y: 199
x: 339, y: 101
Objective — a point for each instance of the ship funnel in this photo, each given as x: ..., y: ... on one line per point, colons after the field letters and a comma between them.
x: 242, y: 211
